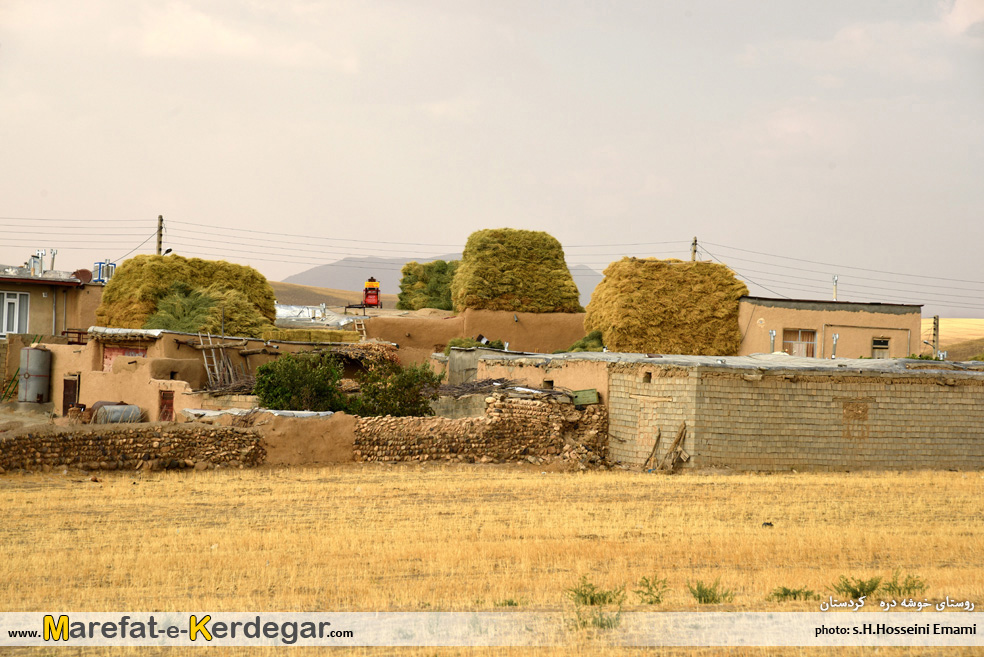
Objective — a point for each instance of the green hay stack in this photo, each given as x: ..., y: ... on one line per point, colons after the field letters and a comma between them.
x: 133, y: 293
x: 514, y: 270
x: 426, y: 285
x: 668, y: 307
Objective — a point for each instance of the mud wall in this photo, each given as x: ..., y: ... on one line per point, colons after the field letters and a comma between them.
x: 535, y: 332
x: 126, y: 448
x: 532, y: 430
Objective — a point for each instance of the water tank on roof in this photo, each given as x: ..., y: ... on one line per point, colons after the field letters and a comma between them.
x: 35, y: 376
x: 103, y: 271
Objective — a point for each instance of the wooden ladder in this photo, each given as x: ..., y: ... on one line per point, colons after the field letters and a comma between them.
x: 360, y: 326
x: 208, y: 355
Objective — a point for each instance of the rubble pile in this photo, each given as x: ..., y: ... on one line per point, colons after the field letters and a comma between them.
x: 539, y: 430
x: 134, y: 448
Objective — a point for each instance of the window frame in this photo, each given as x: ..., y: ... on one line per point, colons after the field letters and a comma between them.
x: 810, y: 345
x: 21, y: 316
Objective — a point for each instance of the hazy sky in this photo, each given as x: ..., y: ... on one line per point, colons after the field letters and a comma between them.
x: 846, y: 133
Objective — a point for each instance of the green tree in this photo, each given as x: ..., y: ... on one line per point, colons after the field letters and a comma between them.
x: 389, y: 389
x: 301, y: 382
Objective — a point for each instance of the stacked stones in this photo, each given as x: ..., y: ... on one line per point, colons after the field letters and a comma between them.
x: 539, y: 430
x: 119, y: 448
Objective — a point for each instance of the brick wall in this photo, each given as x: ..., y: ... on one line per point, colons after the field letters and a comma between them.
x: 642, y: 408
x: 841, y: 422
x: 781, y: 420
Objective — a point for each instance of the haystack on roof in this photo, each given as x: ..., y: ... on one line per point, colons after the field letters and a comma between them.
x: 140, y: 282
x: 514, y: 270
x: 667, y: 306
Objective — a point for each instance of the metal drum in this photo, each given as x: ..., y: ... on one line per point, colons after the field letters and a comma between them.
x: 35, y: 376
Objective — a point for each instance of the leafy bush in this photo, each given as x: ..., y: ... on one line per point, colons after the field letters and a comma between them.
x: 591, y: 342
x: 586, y: 593
x: 301, y: 382
x: 651, y: 590
x: 710, y: 594
x: 427, y: 285
x: 605, y: 605
x: 856, y: 588
x: 389, y: 389
x: 469, y: 343
x: 911, y: 585
x: 782, y: 594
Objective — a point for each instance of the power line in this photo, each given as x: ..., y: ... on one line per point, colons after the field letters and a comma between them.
x: 827, y: 264
x: 152, y: 236
x: 704, y: 250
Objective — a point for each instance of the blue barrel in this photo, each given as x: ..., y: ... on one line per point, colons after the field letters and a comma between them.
x: 35, y: 376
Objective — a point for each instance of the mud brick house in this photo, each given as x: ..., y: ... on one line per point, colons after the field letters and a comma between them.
x: 773, y: 411
x: 822, y: 329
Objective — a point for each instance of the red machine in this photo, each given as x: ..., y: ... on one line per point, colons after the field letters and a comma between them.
x: 370, y: 295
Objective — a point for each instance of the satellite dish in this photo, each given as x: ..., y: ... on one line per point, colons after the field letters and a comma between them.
x: 83, y: 275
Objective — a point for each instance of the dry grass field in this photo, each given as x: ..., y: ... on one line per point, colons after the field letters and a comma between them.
x: 292, y: 294
x: 964, y: 338
x: 393, y: 538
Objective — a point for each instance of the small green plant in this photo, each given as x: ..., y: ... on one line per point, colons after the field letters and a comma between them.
x: 710, y: 594
x: 855, y: 587
x: 911, y: 585
x: 470, y: 343
x: 596, y: 607
x: 782, y: 594
x: 651, y: 590
x: 587, y: 594
x: 508, y: 602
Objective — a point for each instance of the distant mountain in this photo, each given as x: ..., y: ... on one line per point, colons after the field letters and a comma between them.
x: 351, y: 273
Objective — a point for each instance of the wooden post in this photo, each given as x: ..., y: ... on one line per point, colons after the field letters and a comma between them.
x: 160, y: 232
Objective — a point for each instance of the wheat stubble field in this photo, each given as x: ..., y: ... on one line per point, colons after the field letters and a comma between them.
x: 393, y: 538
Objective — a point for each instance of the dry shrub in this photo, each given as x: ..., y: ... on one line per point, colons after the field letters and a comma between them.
x: 514, y: 270
x: 131, y: 296
x: 667, y: 306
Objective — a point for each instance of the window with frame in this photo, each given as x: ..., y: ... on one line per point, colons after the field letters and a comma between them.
x: 14, y: 312
x: 879, y: 348
x: 800, y: 342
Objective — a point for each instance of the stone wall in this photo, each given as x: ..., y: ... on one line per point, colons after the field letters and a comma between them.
x: 784, y: 420
x: 118, y: 447
x: 541, y: 430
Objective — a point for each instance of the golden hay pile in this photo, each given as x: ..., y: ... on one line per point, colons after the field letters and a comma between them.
x: 667, y: 306
x: 514, y: 270
x: 140, y: 282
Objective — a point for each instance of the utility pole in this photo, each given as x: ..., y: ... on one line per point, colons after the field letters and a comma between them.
x: 693, y: 250
x: 936, y: 336
x: 160, y: 232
